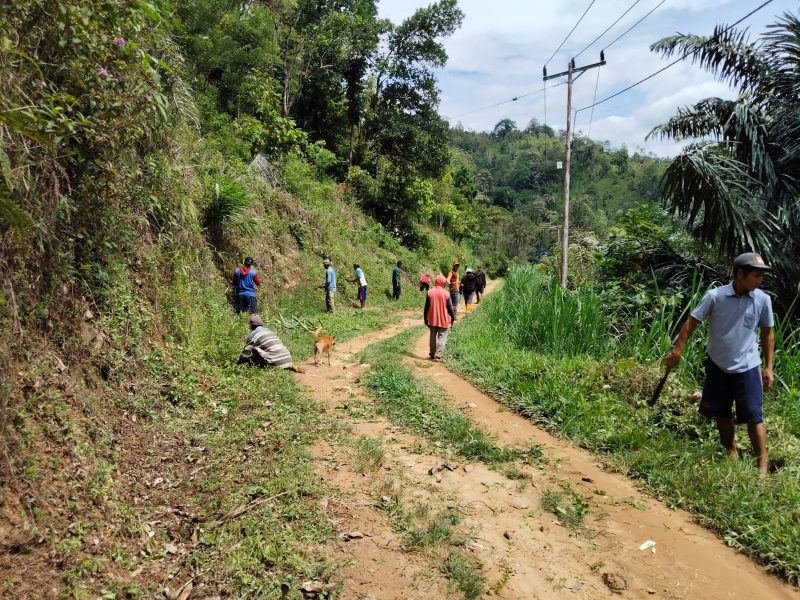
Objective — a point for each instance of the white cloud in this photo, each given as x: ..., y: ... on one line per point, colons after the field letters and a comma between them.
x: 499, y: 51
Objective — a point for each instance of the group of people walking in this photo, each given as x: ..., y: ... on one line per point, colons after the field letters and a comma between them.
x: 733, y: 368
x: 440, y: 312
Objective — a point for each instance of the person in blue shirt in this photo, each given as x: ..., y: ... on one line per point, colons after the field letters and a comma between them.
x: 329, y: 286
x: 245, y: 280
x: 733, y: 365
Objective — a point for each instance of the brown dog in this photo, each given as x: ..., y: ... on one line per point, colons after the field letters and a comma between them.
x: 323, y: 344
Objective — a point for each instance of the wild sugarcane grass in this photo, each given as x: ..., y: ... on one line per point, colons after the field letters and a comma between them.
x: 592, y: 389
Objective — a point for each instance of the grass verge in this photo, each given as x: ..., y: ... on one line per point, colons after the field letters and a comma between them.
x: 421, y: 407
x: 600, y: 403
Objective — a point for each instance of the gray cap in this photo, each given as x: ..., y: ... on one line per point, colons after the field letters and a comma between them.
x: 751, y: 259
x: 326, y: 262
x: 255, y: 321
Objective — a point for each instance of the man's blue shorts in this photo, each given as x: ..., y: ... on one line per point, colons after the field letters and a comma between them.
x: 362, y: 292
x: 722, y: 389
x: 454, y: 296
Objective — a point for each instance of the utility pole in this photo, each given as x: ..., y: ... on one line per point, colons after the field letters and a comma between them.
x: 570, y: 72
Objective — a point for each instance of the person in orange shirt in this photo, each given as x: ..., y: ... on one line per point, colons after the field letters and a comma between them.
x: 439, y: 316
x: 455, y: 285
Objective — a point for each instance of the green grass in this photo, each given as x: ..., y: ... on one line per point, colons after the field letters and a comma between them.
x: 598, y: 400
x: 420, y: 405
x: 436, y: 533
x: 566, y: 504
x: 465, y: 573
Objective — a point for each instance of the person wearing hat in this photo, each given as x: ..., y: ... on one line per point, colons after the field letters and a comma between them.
x: 245, y: 280
x: 329, y: 286
x: 265, y: 349
x: 469, y: 286
x: 733, y: 362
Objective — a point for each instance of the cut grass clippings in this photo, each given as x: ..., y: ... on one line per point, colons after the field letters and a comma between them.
x: 598, y: 401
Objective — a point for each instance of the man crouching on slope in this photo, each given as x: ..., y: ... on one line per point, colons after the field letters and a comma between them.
x: 732, y: 366
x: 265, y: 349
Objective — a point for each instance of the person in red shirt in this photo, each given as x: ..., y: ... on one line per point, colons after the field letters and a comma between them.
x: 439, y: 316
x: 424, y: 283
x: 245, y: 280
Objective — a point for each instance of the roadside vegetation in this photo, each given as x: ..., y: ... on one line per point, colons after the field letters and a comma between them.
x: 565, y: 361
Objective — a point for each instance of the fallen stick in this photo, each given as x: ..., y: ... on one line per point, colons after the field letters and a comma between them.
x: 239, y: 511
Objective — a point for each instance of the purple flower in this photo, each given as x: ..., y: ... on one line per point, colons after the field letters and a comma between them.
x: 118, y: 41
x: 149, y: 97
x: 103, y: 72
x: 39, y: 83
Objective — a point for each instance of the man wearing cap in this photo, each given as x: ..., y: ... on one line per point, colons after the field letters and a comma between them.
x: 245, y: 280
x: 265, y: 349
x: 733, y: 374
x: 329, y: 286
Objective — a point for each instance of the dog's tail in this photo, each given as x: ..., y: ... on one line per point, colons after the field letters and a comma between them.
x: 317, y: 330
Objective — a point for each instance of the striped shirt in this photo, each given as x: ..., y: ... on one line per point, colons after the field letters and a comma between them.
x: 266, y: 345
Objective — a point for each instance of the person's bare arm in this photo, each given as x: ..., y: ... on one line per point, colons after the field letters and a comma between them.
x: 768, y: 348
x: 674, y: 357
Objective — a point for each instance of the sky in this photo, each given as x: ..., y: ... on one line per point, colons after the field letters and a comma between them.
x: 499, y: 51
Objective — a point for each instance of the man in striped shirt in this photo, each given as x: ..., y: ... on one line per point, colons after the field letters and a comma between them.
x: 265, y: 349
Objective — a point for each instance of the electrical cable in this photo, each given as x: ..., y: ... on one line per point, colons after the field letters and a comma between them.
x: 514, y: 99
x: 632, y: 27
x: 570, y: 33
x: 673, y: 63
x: 592, y: 43
x: 591, y: 116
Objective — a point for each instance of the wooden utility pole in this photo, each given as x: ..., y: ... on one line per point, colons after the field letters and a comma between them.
x: 570, y: 72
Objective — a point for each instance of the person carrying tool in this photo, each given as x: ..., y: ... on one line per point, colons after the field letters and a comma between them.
x: 329, y: 286
x: 733, y: 374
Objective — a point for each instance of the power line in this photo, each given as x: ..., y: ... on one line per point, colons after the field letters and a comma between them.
x: 514, y: 99
x: 570, y: 32
x: 591, y: 116
x: 607, y: 29
x: 632, y: 27
x: 673, y: 63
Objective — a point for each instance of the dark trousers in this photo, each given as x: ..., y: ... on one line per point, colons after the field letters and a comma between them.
x: 246, y: 304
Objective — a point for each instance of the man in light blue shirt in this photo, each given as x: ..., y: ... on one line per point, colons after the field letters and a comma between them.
x: 733, y: 312
x: 329, y: 286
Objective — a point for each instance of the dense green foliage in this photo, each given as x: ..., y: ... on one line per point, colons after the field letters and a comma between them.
x: 596, y: 395
x: 516, y: 171
x: 737, y: 186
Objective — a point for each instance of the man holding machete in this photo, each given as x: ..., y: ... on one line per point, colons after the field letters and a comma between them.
x: 734, y: 311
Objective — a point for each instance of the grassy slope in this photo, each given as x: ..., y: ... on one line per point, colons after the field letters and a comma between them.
x: 600, y: 404
x: 127, y: 445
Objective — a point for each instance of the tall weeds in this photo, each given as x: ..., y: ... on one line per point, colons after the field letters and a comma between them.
x: 538, y: 315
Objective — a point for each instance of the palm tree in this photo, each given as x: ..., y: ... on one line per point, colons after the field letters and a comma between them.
x: 735, y: 183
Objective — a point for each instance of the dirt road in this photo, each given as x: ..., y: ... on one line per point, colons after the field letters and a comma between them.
x: 526, y: 551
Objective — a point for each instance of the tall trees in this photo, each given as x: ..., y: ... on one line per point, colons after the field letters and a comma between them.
x: 737, y: 186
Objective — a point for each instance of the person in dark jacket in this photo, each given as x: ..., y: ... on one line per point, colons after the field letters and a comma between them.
x: 245, y: 280
x: 481, y: 283
x: 397, y: 280
x: 469, y: 286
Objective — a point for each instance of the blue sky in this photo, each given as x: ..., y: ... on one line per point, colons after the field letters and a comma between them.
x: 499, y: 51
